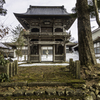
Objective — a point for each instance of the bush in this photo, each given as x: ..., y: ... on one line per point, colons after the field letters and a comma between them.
x: 4, y: 77
x: 2, y: 60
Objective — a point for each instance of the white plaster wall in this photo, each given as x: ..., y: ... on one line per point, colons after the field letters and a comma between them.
x: 95, y: 35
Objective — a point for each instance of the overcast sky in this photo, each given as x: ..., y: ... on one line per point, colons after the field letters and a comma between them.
x: 20, y: 6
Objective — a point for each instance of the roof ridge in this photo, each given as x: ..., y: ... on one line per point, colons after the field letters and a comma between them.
x: 46, y: 6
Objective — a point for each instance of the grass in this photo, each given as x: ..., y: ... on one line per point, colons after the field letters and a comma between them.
x: 44, y: 74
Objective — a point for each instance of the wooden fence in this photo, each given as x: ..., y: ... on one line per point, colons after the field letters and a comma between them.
x: 10, y: 69
x: 75, y: 68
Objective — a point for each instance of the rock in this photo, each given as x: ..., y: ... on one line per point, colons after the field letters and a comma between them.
x: 88, y: 98
x: 96, y: 91
x: 92, y: 89
x: 84, y: 86
x: 50, y: 92
x: 11, y: 89
x: 86, y: 72
x: 69, y: 91
x: 78, y: 92
x: 87, y: 90
x: 39, y: 92
x: 94, y: 86
x: 90, y: 68
x: 98, y: 86
x: 60, y: 92
x: 29, y: 92
x: 98, y: 97
x: 16, y: 88
x: 93, y: 95
x: 6, y: 94
x: 19, y: 92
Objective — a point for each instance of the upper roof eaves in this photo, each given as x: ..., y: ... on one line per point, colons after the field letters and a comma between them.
x: 46, y: 10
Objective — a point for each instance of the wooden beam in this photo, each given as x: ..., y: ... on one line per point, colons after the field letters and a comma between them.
x: 46, y: 42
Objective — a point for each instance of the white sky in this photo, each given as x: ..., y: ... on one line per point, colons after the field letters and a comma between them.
x: 20, y: 6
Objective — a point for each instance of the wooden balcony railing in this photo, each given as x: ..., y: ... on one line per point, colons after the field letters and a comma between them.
x: 49, y: 33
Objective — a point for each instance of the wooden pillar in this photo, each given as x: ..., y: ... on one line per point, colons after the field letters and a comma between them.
x: 39, y: 53
x: 64, y: 52
x: 28, y: 40
x: 54, y: 53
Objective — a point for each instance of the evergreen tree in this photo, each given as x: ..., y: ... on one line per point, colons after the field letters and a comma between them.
x: 19, y: 40
x: 86, y: 49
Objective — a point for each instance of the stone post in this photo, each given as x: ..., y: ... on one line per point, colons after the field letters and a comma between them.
x: 6, y: 69
x: 70, y: 64
x: 39, y: 53
x: 10, y: 70
x: 16, y: 67
x: 73, y: 68
x: 77, y: 66
x: 64, y: 52
x: 54, y: 53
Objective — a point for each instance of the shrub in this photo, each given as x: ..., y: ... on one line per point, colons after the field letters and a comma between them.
x: 2, y: 60
x: 4, y: 77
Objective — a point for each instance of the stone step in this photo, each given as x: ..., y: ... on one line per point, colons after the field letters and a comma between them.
x: 50, y: 91
x: 12, y: 84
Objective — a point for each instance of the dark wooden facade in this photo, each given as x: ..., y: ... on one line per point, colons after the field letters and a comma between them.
x: 48, y: 37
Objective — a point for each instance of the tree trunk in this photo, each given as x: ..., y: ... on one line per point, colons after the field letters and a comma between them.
x: 86, y: 49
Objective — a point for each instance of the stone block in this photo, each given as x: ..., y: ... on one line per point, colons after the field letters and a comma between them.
x: 20, y: 92
x: 88, y: 98
x: 29, y: 92
x: 21, y: 84
x: 61, y: 92
x: 4, y: 94
x: 50, y: 92
x: 39, y: 92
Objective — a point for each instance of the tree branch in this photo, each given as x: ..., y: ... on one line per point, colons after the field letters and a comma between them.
x: 96, y: 11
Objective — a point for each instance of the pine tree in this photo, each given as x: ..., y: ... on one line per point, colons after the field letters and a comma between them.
x: 86, y: 49
x: 19, y: 40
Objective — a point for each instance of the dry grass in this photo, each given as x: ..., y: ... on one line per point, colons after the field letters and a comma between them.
x: 43, y: 74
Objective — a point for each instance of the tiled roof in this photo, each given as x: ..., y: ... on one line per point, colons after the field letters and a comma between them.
x: 46, y: 10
